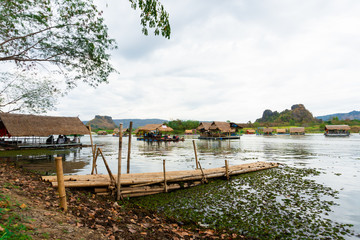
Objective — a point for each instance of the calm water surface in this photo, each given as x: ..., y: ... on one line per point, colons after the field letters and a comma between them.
x: 337, y: 158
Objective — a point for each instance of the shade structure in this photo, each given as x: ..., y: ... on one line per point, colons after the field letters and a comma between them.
x: 34, y: 125
x: 337, y: 127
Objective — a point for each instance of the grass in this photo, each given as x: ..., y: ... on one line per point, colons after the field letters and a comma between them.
x: 10, y: 221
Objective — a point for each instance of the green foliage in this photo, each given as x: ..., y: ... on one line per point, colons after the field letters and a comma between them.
x: 280, y: 203
x: 180, y: 126
x: 27, y: 92
x: 69, y: 37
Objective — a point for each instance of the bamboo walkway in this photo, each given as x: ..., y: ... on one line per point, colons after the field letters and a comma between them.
x: 141, y: 184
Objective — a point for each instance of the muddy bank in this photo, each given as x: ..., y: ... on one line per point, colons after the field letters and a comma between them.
x: 34, y: 205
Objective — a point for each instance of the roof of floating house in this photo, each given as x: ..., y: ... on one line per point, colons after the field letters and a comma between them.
x: 221, y: 126
x: 337, y: 127
x: 33, y: 125
x: 204, y: 125
x: 188, y: 131
x: 281, y: 130
x: 268, y: 130
x: 250, y: 130
x: 154, y: 127
x: 116, y: 130
x: 297, y: 129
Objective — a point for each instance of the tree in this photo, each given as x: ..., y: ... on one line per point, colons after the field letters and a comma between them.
x: 27, y: 92
x: 68, y: 34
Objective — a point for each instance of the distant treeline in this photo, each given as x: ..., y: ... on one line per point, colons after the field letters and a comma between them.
x: 180, y: 126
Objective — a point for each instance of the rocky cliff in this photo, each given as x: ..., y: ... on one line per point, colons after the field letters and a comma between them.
x: 101, y: 122
x: 297, y: 114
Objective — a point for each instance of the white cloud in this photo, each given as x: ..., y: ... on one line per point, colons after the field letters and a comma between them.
x: 229, y: 61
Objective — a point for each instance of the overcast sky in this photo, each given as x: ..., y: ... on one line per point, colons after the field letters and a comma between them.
x: 228, y: 60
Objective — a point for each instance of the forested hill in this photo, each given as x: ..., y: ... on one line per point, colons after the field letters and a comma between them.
x: 106, y: 122
x: 297, y: 114
x: 341, y: 116
x: 139, y: 122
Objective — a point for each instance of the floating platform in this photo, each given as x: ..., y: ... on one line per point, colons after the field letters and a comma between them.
x: 37, y: 146
x: 141, y: 184
x: 159, y: 139
x: 219, y: 138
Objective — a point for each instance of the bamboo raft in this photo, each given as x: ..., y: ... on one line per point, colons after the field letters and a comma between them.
x: 141, y: 184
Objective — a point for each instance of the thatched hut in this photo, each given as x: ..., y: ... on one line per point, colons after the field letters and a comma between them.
x: 268, y: 131
x: 204, y: 126
x: 281, y: 131
x: 161, y: 128
x: 250, y: 131
x: 297, y: 131
x: 101, y: 132
x: 337, y: 130
x: 189, y: 132
x: 23, y: 130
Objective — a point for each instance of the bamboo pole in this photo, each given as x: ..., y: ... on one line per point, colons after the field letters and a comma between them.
x: 95, y: 156
x: 112, y: 179
x: 61, y: 185
x: 203, y: 175
x: 129, y: 148
x: 227, y: 169
x: 165, y: 184
x: 118, y: 195
x: 92, y: 150
x: 196, y: 158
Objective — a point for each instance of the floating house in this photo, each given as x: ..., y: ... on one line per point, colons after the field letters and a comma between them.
x: 281, y: 131
x: 268, y: 131
x: 219, y: 130
x: 297, y: 131
x: 190, y: 131
x: 33, y: 131
x: 250, y: 131
x: 125, y: 132
x: 337, y: 130
x: 101, y: 133
x: 154, y: 133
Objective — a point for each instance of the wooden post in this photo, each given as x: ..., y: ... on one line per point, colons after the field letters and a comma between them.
x: 165, y: 184
x: 112, y: 179
x: 61, y: 185
x: 118, y: 195
x: 203, y: 174
x: 129, y: 149
x: 227, y: 169
x: 95, y: 155
x: 196, y: 158
x: 92, y: 149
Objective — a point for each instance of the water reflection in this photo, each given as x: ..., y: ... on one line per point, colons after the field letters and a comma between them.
x: 337, y: 158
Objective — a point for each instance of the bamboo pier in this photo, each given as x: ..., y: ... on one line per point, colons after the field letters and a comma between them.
x: 141, y: 184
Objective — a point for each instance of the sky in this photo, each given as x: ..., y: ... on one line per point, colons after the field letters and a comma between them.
x: 228, y: 60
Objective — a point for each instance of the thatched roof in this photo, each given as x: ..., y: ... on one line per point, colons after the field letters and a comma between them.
x: 268, y: 130
x: 281, y: 130
x: 250, y: 130
x: 297, y: 130
x: 221, y: 126
x: 155, y: 127
x: 204, y: 126
x: 42, y: 126
x: 188, y: 131
x: 337, y: 127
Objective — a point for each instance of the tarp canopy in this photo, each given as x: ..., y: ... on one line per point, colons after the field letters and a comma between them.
x: 22, y: 125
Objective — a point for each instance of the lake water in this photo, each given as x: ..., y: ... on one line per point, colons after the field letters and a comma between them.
x: 337, y: 158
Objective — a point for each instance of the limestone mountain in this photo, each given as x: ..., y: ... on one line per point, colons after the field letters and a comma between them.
x: 297, y: 114
x: 101, y: 122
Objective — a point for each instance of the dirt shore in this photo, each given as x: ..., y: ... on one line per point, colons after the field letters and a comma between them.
x: 36, y: 205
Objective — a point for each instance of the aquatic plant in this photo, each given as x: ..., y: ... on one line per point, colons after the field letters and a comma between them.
x: 279, y: 203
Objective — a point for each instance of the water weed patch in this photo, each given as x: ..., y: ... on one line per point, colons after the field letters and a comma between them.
x: 273, y: 204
